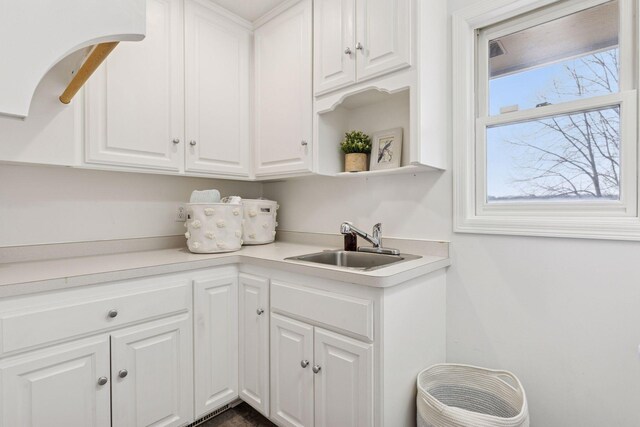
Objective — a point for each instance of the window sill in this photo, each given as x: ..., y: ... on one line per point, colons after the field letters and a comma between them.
x: 604, y: 228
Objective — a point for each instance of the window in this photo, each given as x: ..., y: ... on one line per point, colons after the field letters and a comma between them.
x: 545, y: 119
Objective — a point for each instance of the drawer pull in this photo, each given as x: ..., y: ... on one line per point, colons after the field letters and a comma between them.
x: 259, y: 311
x: 123, y: 373
x: 113, y: 313
x: 102, y: 380
x: 316, y: 369
x: 304, y: 363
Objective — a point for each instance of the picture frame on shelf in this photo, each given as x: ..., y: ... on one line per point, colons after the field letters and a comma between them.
x: 386, y: 149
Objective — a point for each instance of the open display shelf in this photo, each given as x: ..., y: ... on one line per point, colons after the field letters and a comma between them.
x: 370, y: 111
x: 383, y: 172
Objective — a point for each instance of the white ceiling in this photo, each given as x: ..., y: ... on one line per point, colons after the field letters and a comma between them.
x: 249, y: 9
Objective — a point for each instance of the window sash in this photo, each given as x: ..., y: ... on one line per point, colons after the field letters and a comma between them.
x: 625, y: 98
x: 550, y: 13
x: 625, y: 206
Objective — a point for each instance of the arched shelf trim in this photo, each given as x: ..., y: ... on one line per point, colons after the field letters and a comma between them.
x: 38, y: 35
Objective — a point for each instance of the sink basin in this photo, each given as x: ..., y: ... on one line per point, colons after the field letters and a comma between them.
x: 355, y: 260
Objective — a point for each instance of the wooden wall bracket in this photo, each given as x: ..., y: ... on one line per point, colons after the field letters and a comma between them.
x: 97, y: 55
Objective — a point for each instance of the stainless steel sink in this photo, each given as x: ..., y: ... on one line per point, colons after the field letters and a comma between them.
x: 355, y: 260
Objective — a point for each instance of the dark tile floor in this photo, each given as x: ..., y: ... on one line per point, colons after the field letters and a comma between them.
x: 242, y: 415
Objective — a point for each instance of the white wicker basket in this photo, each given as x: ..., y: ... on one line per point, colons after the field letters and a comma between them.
x: 213, y: 227
x: 259, y: 225
x: 452, y: 395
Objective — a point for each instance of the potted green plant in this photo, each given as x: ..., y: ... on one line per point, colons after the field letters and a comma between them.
x: 356, y: 145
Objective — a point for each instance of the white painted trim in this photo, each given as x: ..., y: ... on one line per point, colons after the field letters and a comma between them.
x: 618, y: 221
x: 225, y: 13
x: 594, y: 103
x: 274, y: 13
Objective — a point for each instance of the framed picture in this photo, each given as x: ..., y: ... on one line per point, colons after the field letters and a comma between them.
x: 386, y: 149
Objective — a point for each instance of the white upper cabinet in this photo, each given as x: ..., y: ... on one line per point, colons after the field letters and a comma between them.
x: 179, y: 100
x: 384, y: 36
x: 134, y: 113
x: 334, y: 44
x: 217, y: 58
x: 356, y: 40
x: 283, y: 93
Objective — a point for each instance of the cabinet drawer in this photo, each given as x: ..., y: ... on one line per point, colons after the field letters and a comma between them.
x: 341, y: 311
x: 74, y: 313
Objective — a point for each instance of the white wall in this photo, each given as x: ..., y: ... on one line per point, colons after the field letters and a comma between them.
x: 563, y: 314
x: 417, y: 206
x: 41, y: 204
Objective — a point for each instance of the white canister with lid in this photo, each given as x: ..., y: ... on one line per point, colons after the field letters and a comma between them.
x: 213, y: 227
x: 260, y: 223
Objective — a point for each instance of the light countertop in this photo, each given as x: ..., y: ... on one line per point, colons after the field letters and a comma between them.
x: 17, y: 278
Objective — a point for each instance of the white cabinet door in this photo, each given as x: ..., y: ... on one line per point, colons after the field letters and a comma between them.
x: 152, y: 374
x: 384, y: 36
x: 217, y: 57
x: 57, y: 386
x: 283, y: 93
x: 291, y: 380
x: 254, y: 342
x: 134, y: 101
x: 334, y: 44
x: 344, y: 383
x: 216, y: 342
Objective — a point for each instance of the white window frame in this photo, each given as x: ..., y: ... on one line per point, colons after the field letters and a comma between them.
x: 470, y: 74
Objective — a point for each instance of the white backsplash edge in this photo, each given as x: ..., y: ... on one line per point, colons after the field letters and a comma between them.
x: 11, y: 254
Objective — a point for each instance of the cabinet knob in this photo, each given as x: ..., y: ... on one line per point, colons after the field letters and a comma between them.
x: 113, y: 313
x: 176, y: 140
x: 123, y: 373
x: 359, y: 46
x: 192, y: 143
x: 304, y: 363
x: 259, y: 311
x: 347, y: 51
x: 304, y: 143
x: 316, y: 369
x: 102, y: 380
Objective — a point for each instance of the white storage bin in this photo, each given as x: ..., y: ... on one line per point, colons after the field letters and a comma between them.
x: 259, y: 221
x: 214, y: 227
x: 451, y: 395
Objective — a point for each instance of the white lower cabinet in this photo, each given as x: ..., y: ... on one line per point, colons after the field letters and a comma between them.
x: 57, y: 386
x: 343, y: 385
x: 163, y: 351
x: 291, y: 376
x: 136, y: 370
x: 253, y: 375
x: 152, y: 374
x: 215, y: 341
x: 319, y: 377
